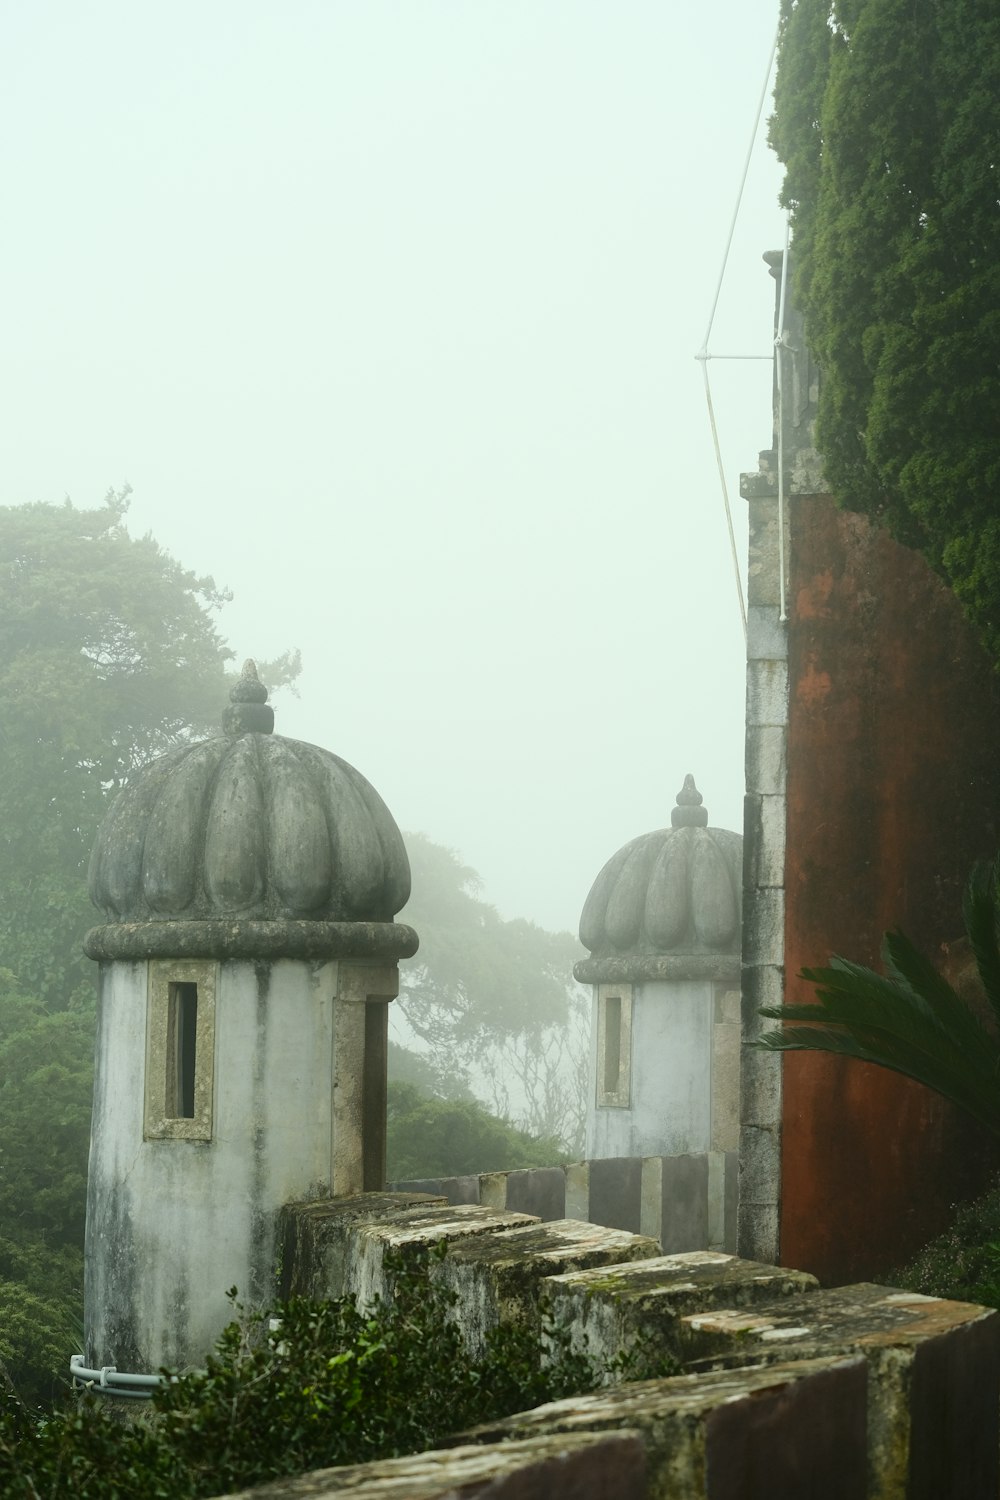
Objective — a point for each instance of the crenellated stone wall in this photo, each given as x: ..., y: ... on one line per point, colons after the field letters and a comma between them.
x: 685, y: 1202
x: 855, y: 1393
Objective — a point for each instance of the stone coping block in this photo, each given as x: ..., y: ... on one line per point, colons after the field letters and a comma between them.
x: 637, y: 1308
x: 499, y: 1278
x: 314, y: 1236
x: 779, y: 1432
x: 585, y: 1466
x: 342, y: 1243
x: 416, y: 1229
x: 934, y: 1377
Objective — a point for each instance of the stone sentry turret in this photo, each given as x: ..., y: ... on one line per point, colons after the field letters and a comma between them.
x: 662, y: 923
x: 249, y: 885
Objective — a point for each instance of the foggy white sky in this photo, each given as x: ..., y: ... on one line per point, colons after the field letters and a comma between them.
x: 387, y: 311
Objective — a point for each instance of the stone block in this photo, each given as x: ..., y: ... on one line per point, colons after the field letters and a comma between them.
x: 766, y: 865
x: 498, y: 1278
x: 760, y: 1164
x: 771, y: 1433
x: 613, y: 1310
x: 716, y: 1200
x: 685, y: 1203
x: 415, y: 1230
x: 540, y: 1191
x: 762, y: 985
x: 934, y: 1377
x: 767, y: 635
x: 732, y: 1192
x: 578, y: 1191
x: 651, y: 1197
x: 314, y: 1237
x: 726, y: 1078
x: 616, y: 1193
x: 767, y: 694
x: 765, y: 760
x: 583, y: 1466
x: 493, y: 1189
x: 760, y: 1086
x: 454, y: 1189
x: 764, y: 926
x: 758, y: 1231
x: 762, y: 555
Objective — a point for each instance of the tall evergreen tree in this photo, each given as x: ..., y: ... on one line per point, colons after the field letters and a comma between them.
x: 887, y: 117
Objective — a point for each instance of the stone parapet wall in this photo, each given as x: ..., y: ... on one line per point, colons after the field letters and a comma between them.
x: 684, y: 1202
x: 789, y: 1390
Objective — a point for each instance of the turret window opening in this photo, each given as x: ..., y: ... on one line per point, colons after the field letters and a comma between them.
x: 180, y: 1051
x: 614, y: 1046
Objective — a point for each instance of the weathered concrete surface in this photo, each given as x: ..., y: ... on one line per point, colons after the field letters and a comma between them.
x: 315, y: 1237
x: 686, y: 1202
x: 244, y: 938
x: 249, y: 825
x: 585, y: 1466
x: 934, y: 1377
x: 893, y: 792
x: 614, y: 1310
x: 673, y: 891
x: 416, y: 1229
x: 500, y: 1278
x: 775, y: 1433
x: 172, y: 1223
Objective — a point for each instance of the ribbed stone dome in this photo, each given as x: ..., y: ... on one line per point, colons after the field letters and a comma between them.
x: 249, y: 825
x: 676, y: 891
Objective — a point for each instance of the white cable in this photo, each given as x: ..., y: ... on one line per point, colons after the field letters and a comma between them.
x: 739, y: 196
x: 703, y: 355
x: 725, y: 495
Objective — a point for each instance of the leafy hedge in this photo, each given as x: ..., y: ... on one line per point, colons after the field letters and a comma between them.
x: 327, y: 1385
x: 964, y: 1261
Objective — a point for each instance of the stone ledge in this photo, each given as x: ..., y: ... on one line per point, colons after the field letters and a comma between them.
x: 641, y: 968
x: 610, y: 1310
x: 314, y: 1237
x: 502, y: 1279
x: 791, y: 1431
x: 130, y: 941
x: 934, y: 1376
x: 586, y: 1466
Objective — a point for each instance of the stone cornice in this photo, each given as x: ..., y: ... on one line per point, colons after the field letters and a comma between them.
x: 250, y: 940
x: 640, y: 968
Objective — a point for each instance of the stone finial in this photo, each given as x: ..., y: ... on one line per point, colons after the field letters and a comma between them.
x: 248, y: 711
x: 689, y: 812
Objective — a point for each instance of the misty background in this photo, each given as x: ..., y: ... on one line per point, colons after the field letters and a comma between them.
x: 387, y: 312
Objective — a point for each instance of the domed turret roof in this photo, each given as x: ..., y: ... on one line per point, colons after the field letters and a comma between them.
x: 673, y: 892
x: 249, y: 826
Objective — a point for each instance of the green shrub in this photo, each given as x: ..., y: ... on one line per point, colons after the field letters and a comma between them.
x: 324, y: 1384
x: 964, y: 1261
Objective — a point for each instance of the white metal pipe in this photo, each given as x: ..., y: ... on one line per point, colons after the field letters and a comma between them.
x: 109, y: 1380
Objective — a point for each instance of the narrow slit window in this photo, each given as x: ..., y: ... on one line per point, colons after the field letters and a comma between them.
x: 614, y: 1046
x: 612, y: 1043
x: 179, y: 1085
x: 182, y: 1050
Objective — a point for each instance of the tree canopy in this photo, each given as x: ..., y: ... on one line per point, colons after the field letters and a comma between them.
x: 887, y: 118
x: 109, y: 653
x: 493, y: 1000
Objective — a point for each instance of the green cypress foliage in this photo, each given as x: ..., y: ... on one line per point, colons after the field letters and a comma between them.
x: 887, y: 117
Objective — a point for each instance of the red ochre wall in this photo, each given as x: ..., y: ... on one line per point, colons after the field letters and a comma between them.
x: 893, y: 788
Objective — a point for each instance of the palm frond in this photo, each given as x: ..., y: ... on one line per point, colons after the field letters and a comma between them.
x: 984, y: 1108
x: 981, y: 910
x: 910, y: 1020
